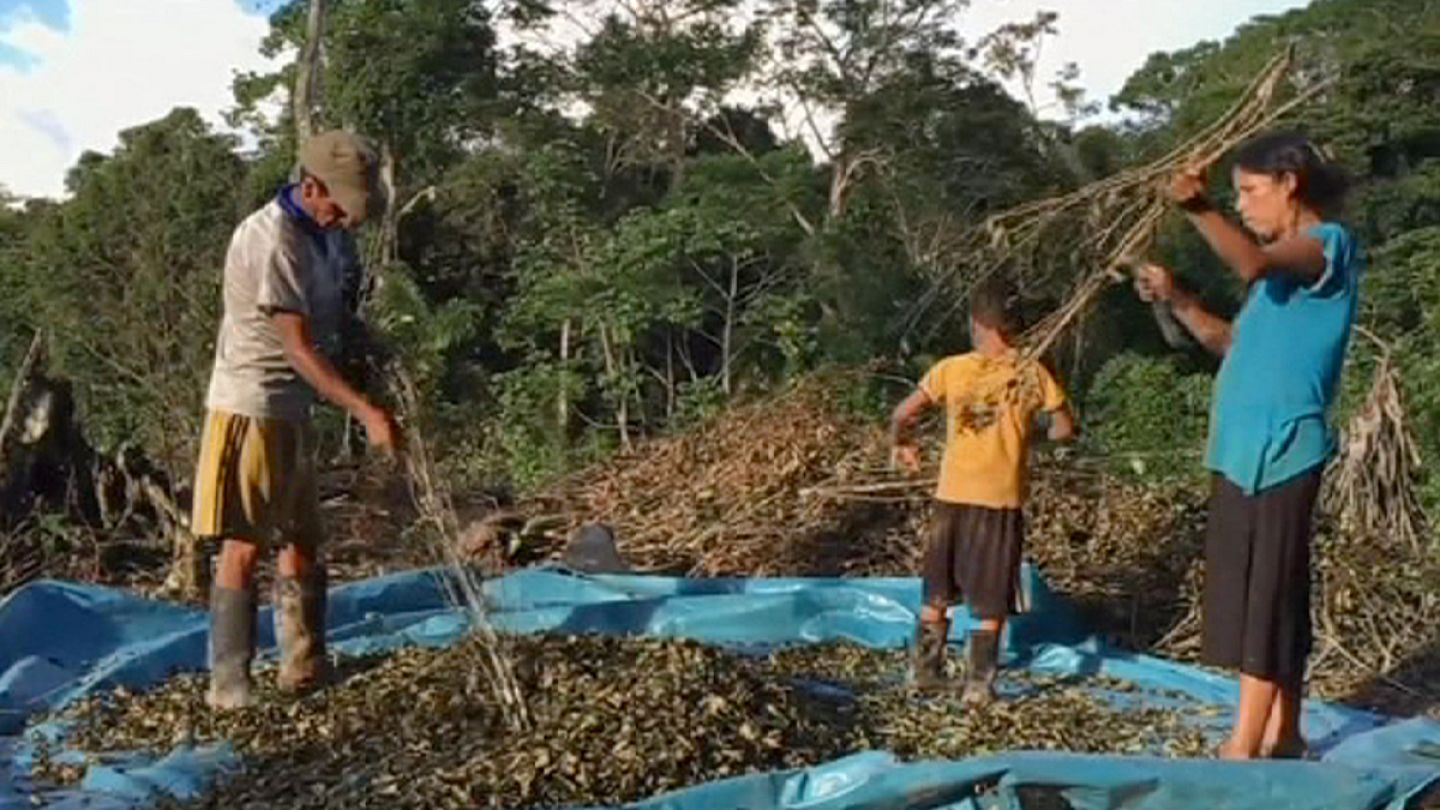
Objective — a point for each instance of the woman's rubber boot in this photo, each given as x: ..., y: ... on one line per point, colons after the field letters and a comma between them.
x: 300, y: 631
x: 982, y: 654
x: 232, y: 646
x: 927, y: 672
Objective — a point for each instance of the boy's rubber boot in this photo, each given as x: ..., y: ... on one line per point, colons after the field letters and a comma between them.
x: 300, y: 630
x: 232, y: 646
x: 927, y: 670
x: 982, y: 654
x: 1292, y: 749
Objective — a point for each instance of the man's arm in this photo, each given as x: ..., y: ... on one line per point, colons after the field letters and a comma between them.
x: 321, y: 374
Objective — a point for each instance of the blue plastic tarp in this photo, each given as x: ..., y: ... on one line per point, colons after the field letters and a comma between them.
x: 60, y: 641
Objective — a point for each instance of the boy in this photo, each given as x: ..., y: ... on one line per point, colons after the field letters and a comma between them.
x: 990, y: 396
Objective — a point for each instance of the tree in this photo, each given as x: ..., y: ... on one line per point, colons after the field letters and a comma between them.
x: 1376, y: 117
x: 650, y: 75
x: 135, y: 255
x: 417, y: 76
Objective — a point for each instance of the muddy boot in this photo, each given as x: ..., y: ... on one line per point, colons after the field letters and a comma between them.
x: 981, y: 654
x: 927, y: 672
x: 232, y: 646
x: 300, y: 631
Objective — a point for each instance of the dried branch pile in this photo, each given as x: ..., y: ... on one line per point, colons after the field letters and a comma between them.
x: 726, y: 499
x: 1371, y: 485
x: 67, y: 510
x: 798, y: 486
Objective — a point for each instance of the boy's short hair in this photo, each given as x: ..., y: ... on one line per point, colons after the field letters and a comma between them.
x: 993, y: 303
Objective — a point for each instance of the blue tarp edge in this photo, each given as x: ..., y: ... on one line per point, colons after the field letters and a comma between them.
x: 60, y: 641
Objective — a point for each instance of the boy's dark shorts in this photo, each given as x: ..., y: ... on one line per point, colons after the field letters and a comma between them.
x: 1257, y: 578
x: 973, y: 555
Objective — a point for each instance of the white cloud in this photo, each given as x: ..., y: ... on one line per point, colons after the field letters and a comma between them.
x: 49, y: 125
x: 124, y: 62
x: 121, y: 63
x: 1111, y: 39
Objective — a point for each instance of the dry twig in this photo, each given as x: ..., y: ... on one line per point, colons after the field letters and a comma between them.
x: 433, y: 501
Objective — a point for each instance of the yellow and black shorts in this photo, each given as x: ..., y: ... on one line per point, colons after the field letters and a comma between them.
x: 256, y: 481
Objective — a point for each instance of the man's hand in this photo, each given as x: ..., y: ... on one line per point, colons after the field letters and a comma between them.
x: 1188, y: 186
x: 1154, y: 283
x: 382, y: 431
x: 906, y: 457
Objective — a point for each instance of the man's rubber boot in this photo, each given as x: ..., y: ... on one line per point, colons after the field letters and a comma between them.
x: 232, y: 646
x: 927, y: 672
x: 982, y: 654
x: 300, y: 630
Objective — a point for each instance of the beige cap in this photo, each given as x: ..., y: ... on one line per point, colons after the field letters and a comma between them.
x: 346, y: 164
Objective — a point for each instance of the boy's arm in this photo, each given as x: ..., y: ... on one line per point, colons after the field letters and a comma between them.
x: 906, y: 452
x: 321, y: 374
x: 1062, y: 424
x: 1056, y: 405
x: 905, y: 415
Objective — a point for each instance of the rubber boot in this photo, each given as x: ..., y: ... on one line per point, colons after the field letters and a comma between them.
x: 232, y: 646
x: 928, y: 666
x: 982, y: 653
x: 300, y: 630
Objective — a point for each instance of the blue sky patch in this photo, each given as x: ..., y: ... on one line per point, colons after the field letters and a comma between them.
x: 261, y: 7
x: 51, y: 13
x: 13, y: 57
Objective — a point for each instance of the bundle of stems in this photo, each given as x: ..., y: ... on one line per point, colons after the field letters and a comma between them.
x: 1371, y: 484
x: 1109, y: 224
x: 435, y: 505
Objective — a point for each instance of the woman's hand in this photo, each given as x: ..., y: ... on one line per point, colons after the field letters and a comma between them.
x: 1188, y: 187
x: 1154, y: 283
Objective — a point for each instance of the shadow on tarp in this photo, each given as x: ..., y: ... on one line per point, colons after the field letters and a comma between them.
x: 60, y: 641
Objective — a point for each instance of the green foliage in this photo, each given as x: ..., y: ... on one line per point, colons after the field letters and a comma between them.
x: 1401, y: 302
x: 424, y: 335
x: 124, y: 280
x: 534, y: 447
x: 595, y: 246
x: 700, y: 401
x: 416, y: 75
x: 1147, y: 417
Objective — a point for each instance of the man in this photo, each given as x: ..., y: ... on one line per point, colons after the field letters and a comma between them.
x: 255, y: 482
x: 990, y: 396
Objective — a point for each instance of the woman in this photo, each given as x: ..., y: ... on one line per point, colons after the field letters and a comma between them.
x: 1269, y: 435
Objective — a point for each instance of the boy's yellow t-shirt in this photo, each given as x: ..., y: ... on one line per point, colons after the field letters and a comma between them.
x: 989, y: 404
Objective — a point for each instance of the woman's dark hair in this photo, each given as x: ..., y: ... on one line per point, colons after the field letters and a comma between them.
x: 1319, y: 183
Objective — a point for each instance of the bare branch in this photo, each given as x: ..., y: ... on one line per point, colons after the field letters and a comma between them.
x: 728, y: 137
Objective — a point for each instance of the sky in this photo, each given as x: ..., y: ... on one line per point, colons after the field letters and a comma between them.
x: 74, y: 73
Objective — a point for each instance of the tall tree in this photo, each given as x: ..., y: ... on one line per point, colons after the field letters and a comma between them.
x: 414, y: 75
x: 134, y: 255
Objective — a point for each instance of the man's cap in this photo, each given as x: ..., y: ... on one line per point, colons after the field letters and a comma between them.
x: 347, y: 165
